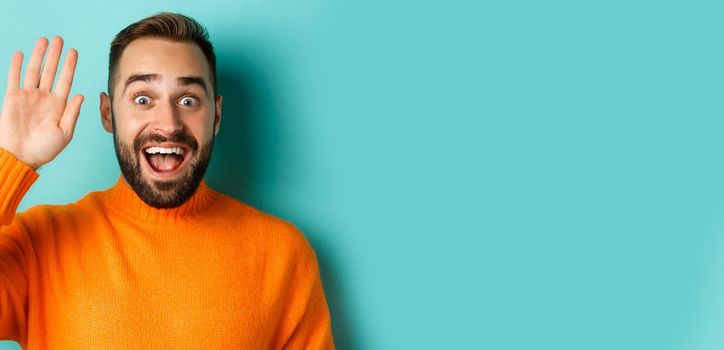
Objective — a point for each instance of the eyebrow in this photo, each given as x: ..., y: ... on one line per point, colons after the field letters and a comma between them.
x: 183, y: 81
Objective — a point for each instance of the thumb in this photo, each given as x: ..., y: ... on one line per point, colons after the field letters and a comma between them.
x: 70, y: 117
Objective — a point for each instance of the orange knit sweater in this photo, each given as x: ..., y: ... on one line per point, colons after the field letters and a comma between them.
x: 110, y: 272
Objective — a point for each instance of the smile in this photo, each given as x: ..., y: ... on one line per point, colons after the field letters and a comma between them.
x: 165, y: 160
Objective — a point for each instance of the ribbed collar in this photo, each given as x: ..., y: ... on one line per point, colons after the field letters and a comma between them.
x: 122, y: 199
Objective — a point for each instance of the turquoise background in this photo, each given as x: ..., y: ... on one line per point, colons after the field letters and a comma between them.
x: 500, y: 175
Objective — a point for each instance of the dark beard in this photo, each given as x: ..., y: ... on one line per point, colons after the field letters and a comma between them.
x: 163, y: 194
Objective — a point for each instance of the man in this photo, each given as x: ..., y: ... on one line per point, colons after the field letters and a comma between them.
x: 159, y: 260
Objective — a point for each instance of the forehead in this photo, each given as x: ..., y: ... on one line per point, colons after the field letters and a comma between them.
x: 169, y: 59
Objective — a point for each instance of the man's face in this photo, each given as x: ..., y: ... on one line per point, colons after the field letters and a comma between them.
x: 164, y: 118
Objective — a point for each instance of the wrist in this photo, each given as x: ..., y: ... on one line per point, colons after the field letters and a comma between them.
x: 16, y: 155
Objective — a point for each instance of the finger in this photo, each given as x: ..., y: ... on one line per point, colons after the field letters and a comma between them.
x: 62, y: 87
x: 70, y: 117
x: 16, y: 63
x: 33, y: 71
x: 51, y: 64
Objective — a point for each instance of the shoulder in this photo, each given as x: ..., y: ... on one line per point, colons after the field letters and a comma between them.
x: 280, y: 232
x: 46, y: 216
x: 84, y: 209
x: 41, y: 223
x: 50, y: 211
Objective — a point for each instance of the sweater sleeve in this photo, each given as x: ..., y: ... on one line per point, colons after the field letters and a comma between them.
x: 16, y: 178
x: 313, y: 329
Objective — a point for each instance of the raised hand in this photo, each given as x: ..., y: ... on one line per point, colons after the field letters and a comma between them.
x: 35, y: 122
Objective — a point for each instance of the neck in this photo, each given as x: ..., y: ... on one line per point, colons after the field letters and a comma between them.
x: 125, y: 201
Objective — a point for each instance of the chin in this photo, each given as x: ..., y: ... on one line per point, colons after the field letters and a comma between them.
x: 163, y: 174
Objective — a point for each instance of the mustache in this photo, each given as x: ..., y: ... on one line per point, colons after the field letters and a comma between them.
x: 181, y: 138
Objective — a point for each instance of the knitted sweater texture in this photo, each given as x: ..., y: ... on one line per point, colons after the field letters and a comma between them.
x: 111, y: 272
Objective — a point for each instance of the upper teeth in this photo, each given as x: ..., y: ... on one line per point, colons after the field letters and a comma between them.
x: 165, y: 150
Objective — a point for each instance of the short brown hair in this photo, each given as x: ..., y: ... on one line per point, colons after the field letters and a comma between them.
x: 163, y: 25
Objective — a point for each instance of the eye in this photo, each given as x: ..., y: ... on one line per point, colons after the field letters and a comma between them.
x: 141, y: 99
x: 189, y: 101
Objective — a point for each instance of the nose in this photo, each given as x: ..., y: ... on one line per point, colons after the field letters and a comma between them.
x: 167, y: 119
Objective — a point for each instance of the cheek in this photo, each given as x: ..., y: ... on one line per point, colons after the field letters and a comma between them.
x: 127, y: 132
x: 199, y: 128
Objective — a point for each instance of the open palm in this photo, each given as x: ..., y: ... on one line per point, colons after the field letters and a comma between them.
x: 36, y: 121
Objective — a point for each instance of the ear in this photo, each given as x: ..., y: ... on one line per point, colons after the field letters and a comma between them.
x: 106, y: 114
x: 217, y: 118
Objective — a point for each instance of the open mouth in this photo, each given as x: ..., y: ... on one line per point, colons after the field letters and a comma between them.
x: 165, y: 160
